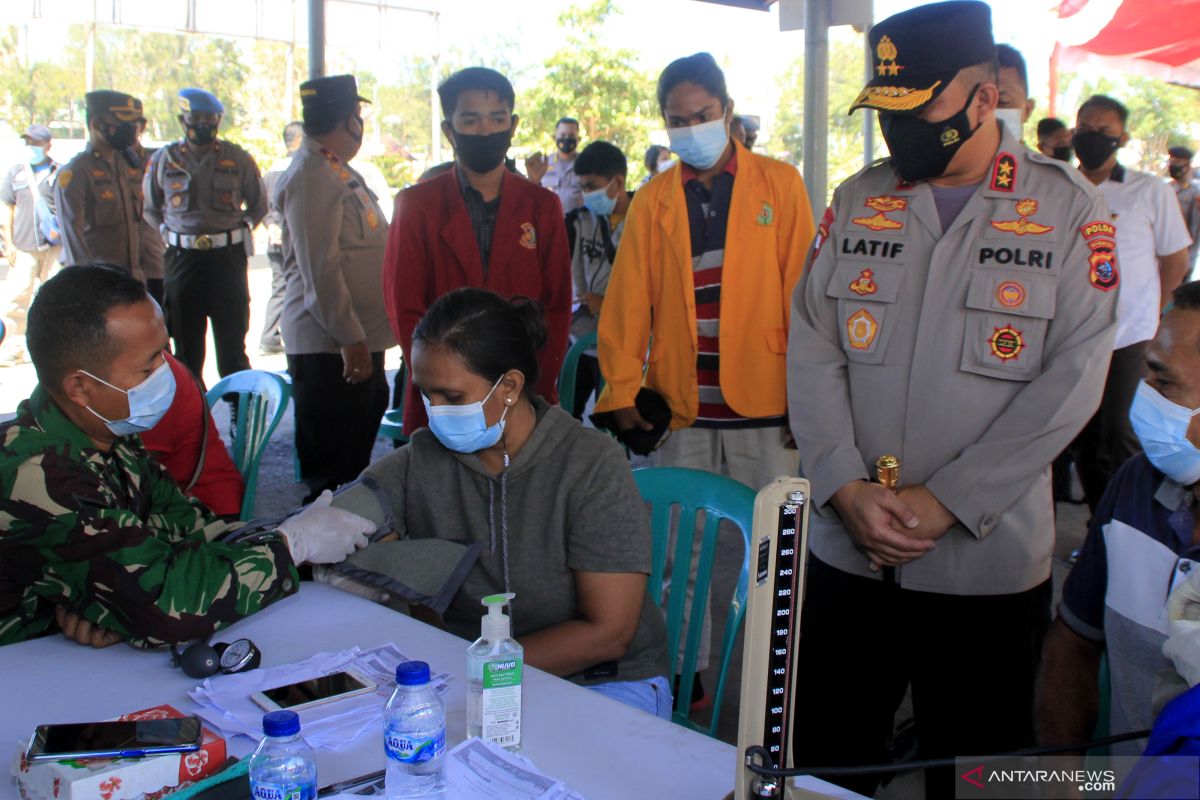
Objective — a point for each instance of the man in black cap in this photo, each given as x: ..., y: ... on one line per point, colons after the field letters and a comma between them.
x: 957, y: 312
x: 29, y: 234
x: 335, y: 326
x: 1187, y: 192
x: 98, y: 194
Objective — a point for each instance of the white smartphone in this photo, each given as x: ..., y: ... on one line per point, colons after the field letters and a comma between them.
x: 314, y: 691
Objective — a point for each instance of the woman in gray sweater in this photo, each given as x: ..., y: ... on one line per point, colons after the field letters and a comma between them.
x: 554, y: 503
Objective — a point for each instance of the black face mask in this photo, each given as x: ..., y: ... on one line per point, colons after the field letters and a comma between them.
x: 922, y: 149
x: 1177, y: 171
x: 1062, y: 153
x: 120, y: 136
x: 567, y: 144
x: 482, y: 153
x: 1094, y: 148
x: 201, y: 134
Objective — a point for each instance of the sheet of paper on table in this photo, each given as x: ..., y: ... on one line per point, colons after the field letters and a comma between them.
x: 479, y: 770
x: 224, y: 701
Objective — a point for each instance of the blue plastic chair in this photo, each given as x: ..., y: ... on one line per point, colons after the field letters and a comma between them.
x: 721, y: 498
x: 570, y: 370
x: 392, y: 424
x: 262, y: 400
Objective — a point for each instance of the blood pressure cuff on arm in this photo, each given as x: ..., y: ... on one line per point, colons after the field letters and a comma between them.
x: 418, y: 571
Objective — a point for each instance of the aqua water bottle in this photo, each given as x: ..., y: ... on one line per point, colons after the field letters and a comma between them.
x: 283, y: 767
x: 414, y: 734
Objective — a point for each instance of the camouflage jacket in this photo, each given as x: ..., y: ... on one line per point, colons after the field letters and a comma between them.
x: 110, y: 536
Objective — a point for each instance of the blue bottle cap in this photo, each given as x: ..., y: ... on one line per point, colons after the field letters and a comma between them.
x: 412, y: 673
x: 281, y: 723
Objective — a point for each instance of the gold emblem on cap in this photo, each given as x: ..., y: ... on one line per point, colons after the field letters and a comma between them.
x: 886, y: 51
x: 893, y: 98
x: 128, y: 111
x: 308, y: 92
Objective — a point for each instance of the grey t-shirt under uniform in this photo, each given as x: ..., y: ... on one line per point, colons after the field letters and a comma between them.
x: 572, y: 507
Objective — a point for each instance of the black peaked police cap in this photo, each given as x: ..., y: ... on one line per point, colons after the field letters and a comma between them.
x: 916, y: 53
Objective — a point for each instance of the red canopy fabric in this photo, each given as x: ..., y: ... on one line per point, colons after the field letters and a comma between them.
x: 1150, y: 37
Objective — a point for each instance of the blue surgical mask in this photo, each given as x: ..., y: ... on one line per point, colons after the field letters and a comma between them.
x: 700, y: 145
x: 37, y: 154
x: 148, y: 401
x: 598, y: 202
x: 464, y: 428
x: 1161, y: 426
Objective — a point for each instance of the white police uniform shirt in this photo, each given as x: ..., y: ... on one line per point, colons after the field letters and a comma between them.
x: 1149, y: 224
x: 561, y: 179
x: 974, y: 355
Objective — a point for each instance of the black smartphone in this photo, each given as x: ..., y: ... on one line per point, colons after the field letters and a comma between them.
x: 126, y: 739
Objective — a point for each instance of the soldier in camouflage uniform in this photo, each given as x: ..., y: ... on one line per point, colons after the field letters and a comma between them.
x: 91, y: 527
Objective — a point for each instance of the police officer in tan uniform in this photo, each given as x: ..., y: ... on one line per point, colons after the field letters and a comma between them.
x: 206, y: 195
x: 98, y: 194
x: 335, y: 324
x: 957, y: 312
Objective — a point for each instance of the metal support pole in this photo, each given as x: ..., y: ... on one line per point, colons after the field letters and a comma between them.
x: 868, y: 116
x: 316, y: 39
x: 816, y: 101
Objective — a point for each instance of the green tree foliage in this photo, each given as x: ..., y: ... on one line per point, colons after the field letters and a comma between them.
x: 845, y: 151
x: 155, y: 66
x: 601, y: 86
x: 39, y: 91
x: 258, y: 82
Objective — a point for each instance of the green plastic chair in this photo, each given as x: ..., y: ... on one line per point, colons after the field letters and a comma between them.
x: 570, y: 369
x: 1103, y: 711
x: 721, y: 498
x: 262, y: 400
x: 392, y: 424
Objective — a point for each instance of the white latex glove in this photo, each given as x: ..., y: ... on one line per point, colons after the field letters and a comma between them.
x: 320, y: 534
x: 1183, y: 629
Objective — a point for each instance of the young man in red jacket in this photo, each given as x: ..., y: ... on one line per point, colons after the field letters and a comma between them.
x: 478, y: 225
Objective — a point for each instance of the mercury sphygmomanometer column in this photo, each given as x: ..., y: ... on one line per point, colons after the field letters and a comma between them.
x: 768, y: 696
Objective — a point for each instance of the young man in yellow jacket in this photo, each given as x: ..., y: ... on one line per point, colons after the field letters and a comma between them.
x: 703, y: 281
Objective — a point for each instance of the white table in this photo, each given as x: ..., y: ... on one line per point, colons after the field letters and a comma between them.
x: 599, y: 747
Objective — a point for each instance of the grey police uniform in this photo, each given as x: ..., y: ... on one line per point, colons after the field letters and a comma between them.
x: 205, y: 201
x: 1189, y: 203
x: 974, y: 356
x: 98, y: 199
x: 333, y: 296
x: 334, y: 238
x: 154, y: 249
